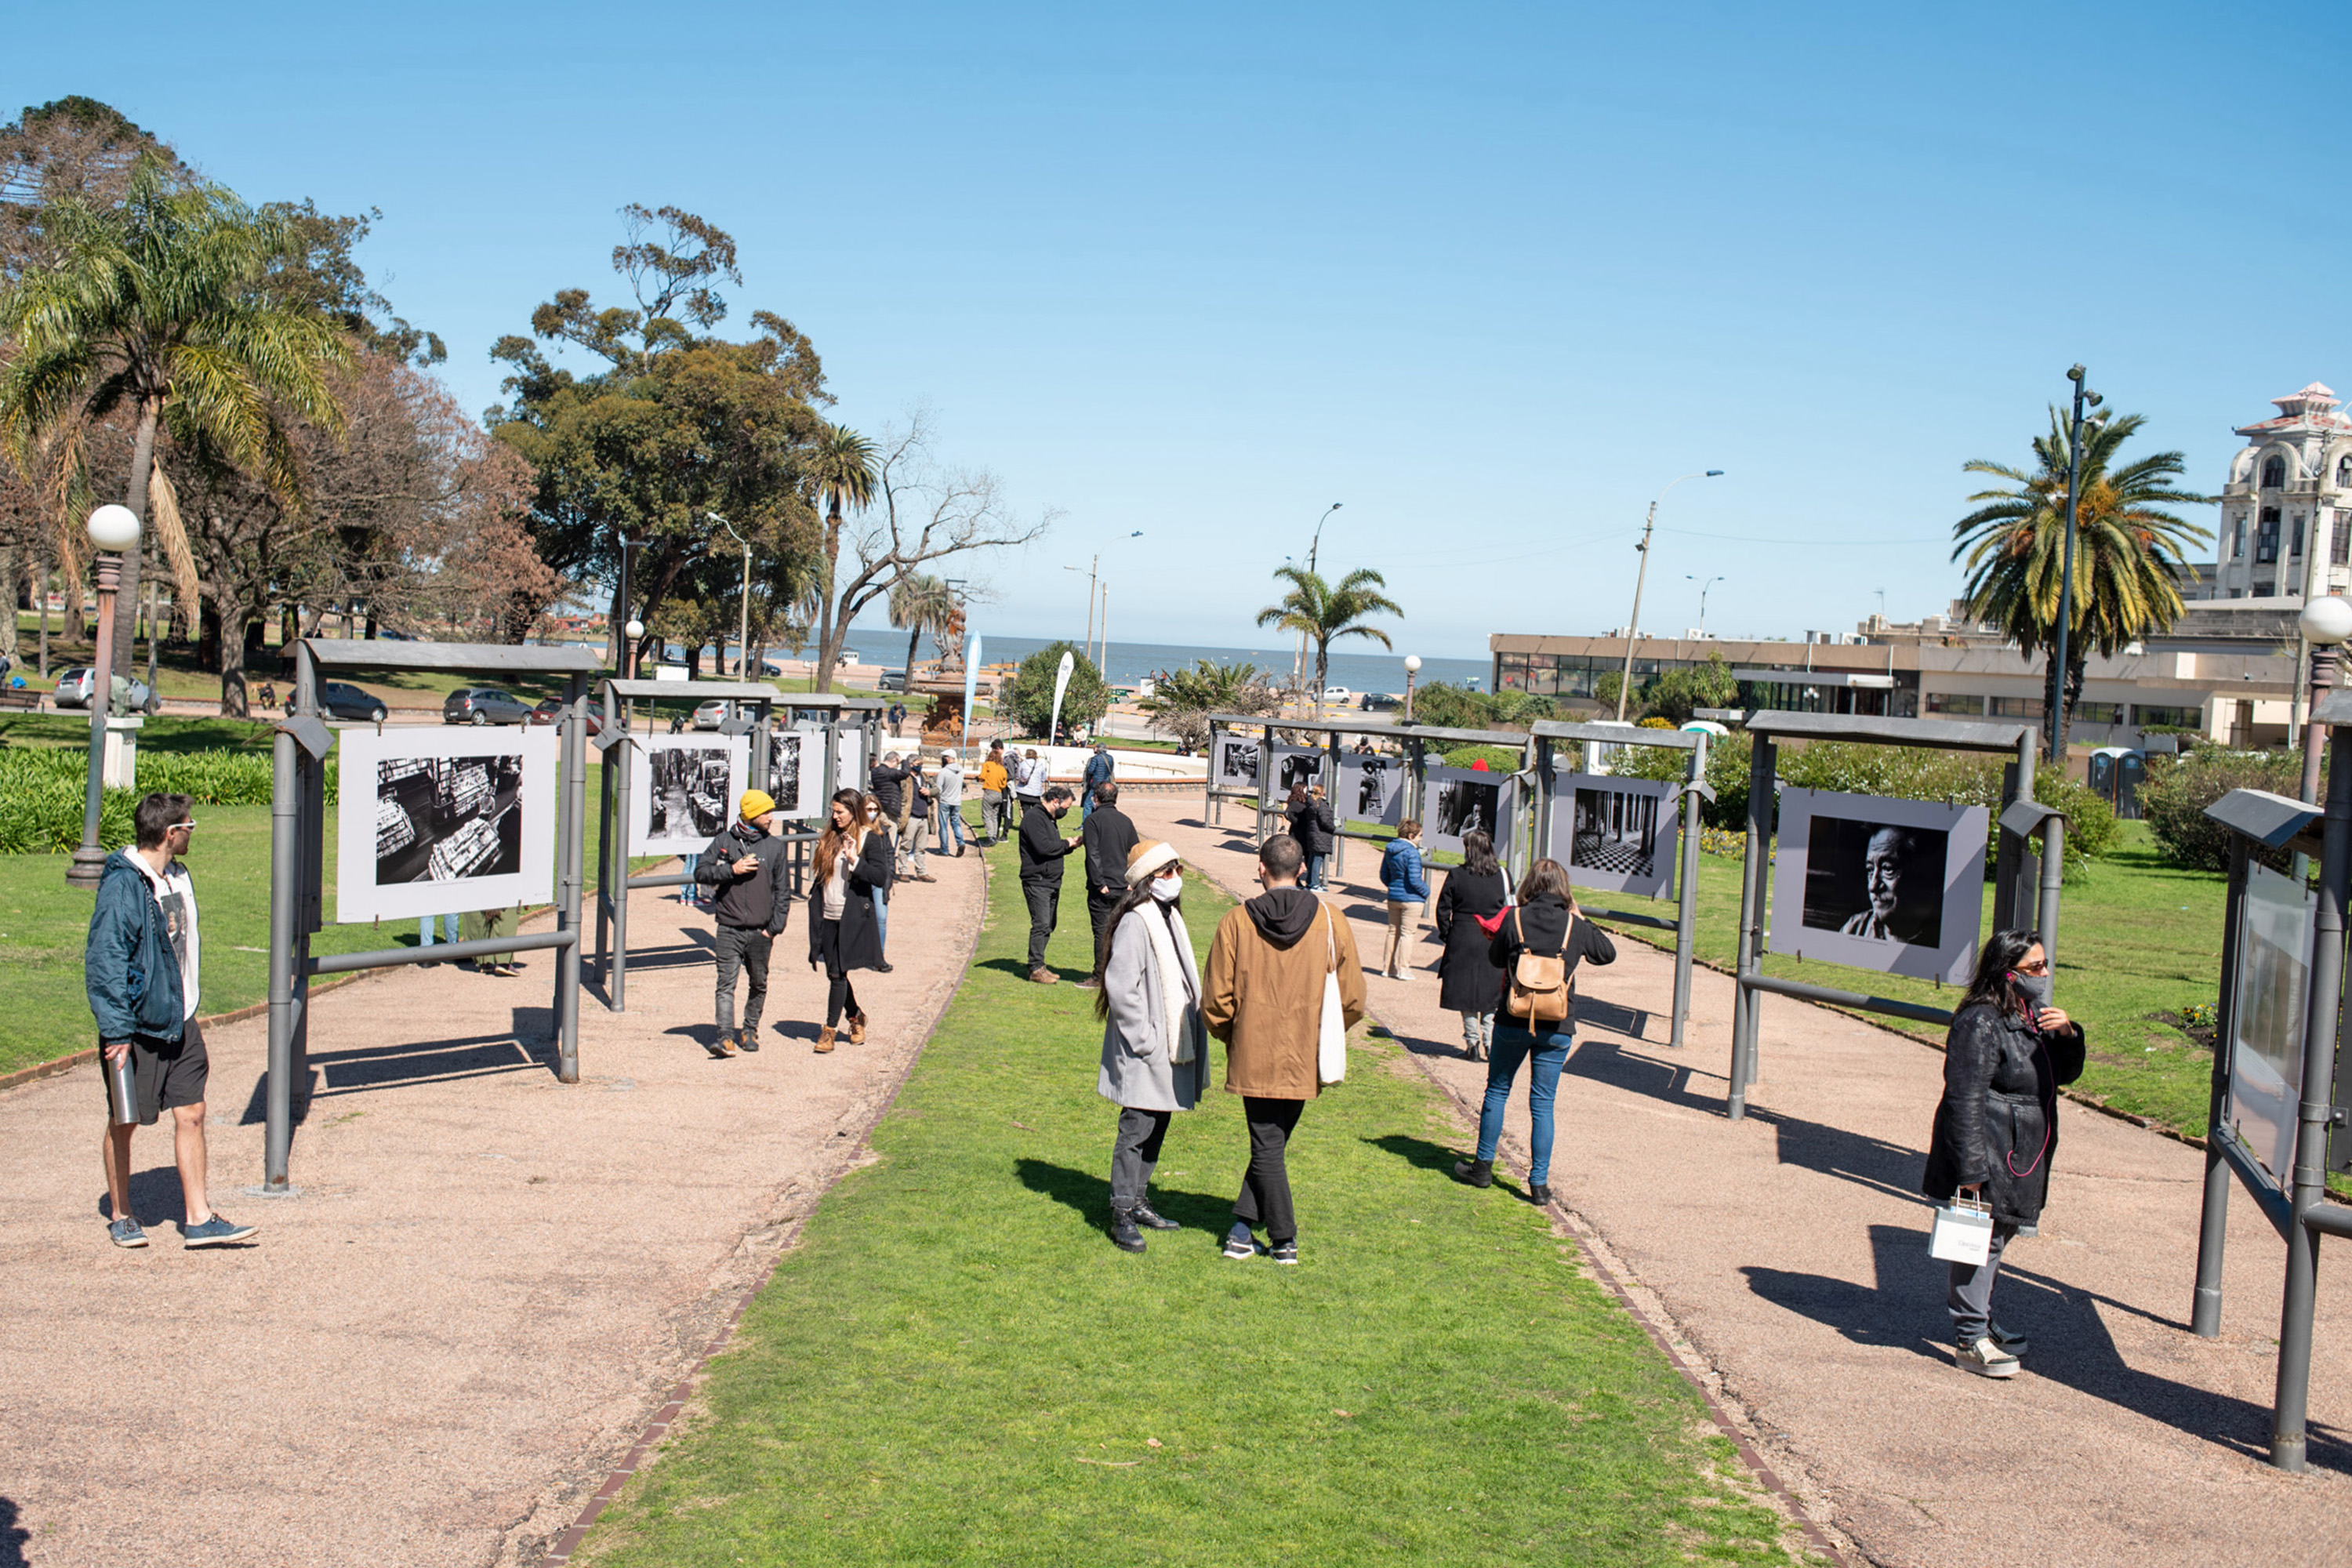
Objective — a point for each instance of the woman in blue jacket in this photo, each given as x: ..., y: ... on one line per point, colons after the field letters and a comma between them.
x: 1408, y: 887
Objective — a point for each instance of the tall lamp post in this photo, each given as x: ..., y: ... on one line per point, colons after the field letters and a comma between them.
x: 114, y: 529
x: 1703, y: 588
x: 743, y: 620
x: 1625, y: 680
x: 1412, y: 668
x: 2325, y: 624
x: 1299, y: 660
x: 629, y: 654
x: 2083, y: 399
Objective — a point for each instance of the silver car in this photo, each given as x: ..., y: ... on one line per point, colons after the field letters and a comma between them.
x: 75, y: 686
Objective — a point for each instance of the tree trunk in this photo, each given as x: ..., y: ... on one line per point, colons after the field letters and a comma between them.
x: 41, y: 602
x: 208, y: 634
x: 827, y: 639
x: 14, y: 584
x: 126, y: 599
x: 230, y: 620
x: 2074, y: 668
x: 914, y: 639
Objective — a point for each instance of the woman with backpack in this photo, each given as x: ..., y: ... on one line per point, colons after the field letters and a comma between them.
x: 1468, y: 907
x: 1309, y: 815
x: 1537, y: 949
x: 1408, y: 888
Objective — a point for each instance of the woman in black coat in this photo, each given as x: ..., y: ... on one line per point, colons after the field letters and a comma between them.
x: 1996, y: 1126
x: 853, y: 863
x: 1311, y: 823
x: 1471, y: 984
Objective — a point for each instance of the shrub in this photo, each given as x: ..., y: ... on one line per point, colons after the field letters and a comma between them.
x: 1459, y: 708
x: 2178, y: 789
x: 1182, y: 702
x: 1030, y: 698
x: 41, y: 792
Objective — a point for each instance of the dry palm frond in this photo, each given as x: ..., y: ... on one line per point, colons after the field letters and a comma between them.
x: 172, y: 544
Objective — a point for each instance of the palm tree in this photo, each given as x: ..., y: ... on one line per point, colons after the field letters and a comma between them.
x: 841, y: 470
x: 2130, y: 554
x: 921, y: 603
x: 158, y: 308
x: 1321, y: 612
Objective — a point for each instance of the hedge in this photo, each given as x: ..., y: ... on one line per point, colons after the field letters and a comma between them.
x: 41, y: 792
x: 2177, y: 789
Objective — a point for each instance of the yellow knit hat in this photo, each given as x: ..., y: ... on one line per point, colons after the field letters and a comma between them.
x: 757, y: 803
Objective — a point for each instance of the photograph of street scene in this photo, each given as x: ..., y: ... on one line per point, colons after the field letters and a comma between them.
x: 447, y: 819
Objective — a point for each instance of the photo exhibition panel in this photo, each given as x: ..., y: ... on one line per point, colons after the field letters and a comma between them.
x: 435, y: 822
x: 1895, y: 886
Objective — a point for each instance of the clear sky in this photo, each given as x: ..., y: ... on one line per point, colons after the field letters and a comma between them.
x: 1489, y: 275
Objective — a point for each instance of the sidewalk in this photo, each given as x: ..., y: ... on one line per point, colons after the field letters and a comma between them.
x: 489, y: 1282
x: 1790, y: 1252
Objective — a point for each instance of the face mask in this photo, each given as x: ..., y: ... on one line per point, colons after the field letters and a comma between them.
x: 2032, y: 989
x: 1167, y: 889
x: 1060, y: 812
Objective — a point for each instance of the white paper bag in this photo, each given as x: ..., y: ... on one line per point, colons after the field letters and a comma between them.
x: 1962, y: 1233
x: 1331, y: 1030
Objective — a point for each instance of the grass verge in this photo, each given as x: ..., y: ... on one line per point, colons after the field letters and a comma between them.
x: 955, y: 1366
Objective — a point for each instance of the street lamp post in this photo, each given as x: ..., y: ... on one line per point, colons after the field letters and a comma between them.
x: 1625, y: 680
x: 629, y: 654
x: 1412, y: 668
x: 743, y: 620
x: 114, y: 529
x: 2083, y: 399
x: 1299, y: 660
x: 1703, y: 588
x: 2326, y: 623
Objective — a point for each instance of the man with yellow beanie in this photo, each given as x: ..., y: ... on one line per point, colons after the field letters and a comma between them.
x: 751, y: 897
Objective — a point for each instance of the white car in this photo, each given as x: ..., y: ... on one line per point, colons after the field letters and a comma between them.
x: 1338, y: 694
x: 711, y: 714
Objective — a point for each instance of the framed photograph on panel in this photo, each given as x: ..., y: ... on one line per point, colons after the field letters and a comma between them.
x: 1897, y: 886
x: 439, y: 821
x: 1371, y: 789
x: 1295, y: 765
x: 1462, y: 799
x: 1235, y: 764
x: 2275, y: 930
x: 794, y: 770
x: 683, y: 790
x: 1617, y: 834
x: 849, y: 762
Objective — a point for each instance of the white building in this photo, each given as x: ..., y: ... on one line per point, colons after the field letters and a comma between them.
x: 2284, y: 533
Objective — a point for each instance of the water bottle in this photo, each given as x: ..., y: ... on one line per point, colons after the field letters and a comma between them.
x: 121, y: 1090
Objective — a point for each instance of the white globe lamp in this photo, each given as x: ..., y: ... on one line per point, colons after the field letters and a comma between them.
x: 636, y: 629
x: 2328, y: 621
x: 116, y: 527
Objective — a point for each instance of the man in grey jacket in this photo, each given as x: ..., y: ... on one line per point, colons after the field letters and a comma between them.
x: 951, y: 804
x: 752, y: 900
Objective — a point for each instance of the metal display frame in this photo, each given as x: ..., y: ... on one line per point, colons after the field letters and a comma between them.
x: 1695, y: 789
x: 2299, y: 1209
x: 297, y: 859
x: 2020, y: 818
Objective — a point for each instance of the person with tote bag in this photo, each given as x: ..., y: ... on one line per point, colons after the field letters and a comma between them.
x: 1280, y: 967
x: 1155, y: 1052
x: 1541, y: 942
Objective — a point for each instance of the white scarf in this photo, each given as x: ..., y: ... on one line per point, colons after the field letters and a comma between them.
x: 1180, y: 1004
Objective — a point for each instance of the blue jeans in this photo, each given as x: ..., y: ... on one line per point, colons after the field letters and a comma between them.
x: 952, y: 822
x: 1314, y: 864
x: 882, y: 924
x: 1514, y: 1045
x: 424, y: 929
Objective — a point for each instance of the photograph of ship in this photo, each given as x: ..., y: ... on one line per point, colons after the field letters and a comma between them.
x: 447, y: 819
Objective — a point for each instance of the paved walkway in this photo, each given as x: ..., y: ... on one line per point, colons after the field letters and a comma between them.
x: 487, y: 1283
x: 1788, y: 1253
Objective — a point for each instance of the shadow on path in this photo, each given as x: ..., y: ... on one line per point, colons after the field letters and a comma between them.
x: 12, y: 1536
x: 362, y: 1070
x: 1088, y: 1195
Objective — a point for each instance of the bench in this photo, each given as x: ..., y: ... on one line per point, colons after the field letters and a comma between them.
x: 21, y: 701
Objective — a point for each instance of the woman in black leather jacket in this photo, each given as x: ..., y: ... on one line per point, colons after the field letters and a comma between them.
x: 1997, y: 1127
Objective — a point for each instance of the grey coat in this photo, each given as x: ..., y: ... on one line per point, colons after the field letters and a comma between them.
x: 1136, y: 1071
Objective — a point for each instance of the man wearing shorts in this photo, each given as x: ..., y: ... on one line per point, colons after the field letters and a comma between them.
x: 140, y: 970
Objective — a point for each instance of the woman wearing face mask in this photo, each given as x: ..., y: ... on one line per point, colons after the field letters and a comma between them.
x: 1997, y: 1127
x: 854, y: 861
x: 1155, y: 1058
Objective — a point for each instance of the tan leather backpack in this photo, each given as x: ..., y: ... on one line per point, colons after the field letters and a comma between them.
x: 1538, y: 991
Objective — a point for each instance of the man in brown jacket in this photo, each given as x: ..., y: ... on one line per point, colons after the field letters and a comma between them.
x: 1264, y: 997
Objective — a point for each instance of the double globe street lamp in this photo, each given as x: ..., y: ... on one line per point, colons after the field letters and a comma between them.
x: 2325, y: 624
x: 114, y: 529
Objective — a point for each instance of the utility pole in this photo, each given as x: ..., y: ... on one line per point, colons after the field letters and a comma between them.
x: 2084, y: 397
x: 743, y: 620
x: 1625, y: 680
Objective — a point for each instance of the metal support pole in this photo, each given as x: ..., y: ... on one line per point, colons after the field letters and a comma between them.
x: 1686, y: 917
x: 1547, y: 787
x: 570, y: 858
x: 620, y: 767
x: 1339, y: 866
x: 1416, y: 788
x: 285, y: 868
x: 89, y: 861
x: 2214, y: 1224
x: 1745, y: 1014
x: 2310, y: 1186
x: 2053, y: 873
x: 605, y: 883
x: 1213, y: 810
x: 2323, y: 681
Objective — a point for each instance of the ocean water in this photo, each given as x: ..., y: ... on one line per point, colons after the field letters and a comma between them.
x: 1129, y: 662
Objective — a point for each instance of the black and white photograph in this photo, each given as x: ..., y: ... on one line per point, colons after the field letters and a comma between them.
x: 1619, y: 834
x: 1460, y: 800
x: 1895, y: 886
x: 441, y: 822
x: 1293, y: 766
x: 1371, y: 789
x: 683, y: 790
x: 2266, y: 1015
x: 793, y: 769
x: 1235, y: 763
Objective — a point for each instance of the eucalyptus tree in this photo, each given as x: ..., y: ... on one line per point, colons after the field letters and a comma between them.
x: 1324, y: 612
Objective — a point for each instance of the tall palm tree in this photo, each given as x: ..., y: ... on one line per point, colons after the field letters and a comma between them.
x: 2130, y: 553
x: 921, y: 603
x: 1323, y: 612
x: 841, y: 470
x: 157, y: 309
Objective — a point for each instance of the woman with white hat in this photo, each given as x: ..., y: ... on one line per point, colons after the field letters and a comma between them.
x: 1155, y: 1056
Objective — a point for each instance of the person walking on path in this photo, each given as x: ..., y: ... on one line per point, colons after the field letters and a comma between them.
x: 897, y: 718
x: 851, y: 868
x: 995, y: 784
x: 1309, y: 816
x: 886, y: 781
x: 1155, y: 1051
x: 751, y: 901
x: 915, y: 824
x: 875, y: 824
x: 953, y: 835
x: 1475, y: 892
x: 481, y: 925
x: 1042, y: 849
x: 1545, y: 925
x: 1264, y: 998
x: 141, y: 970
x: 1098, y: 771
x: 1408, y: 889
x: 1029, y: 782
x: 1996, y: 1128
x: 1108, y: 835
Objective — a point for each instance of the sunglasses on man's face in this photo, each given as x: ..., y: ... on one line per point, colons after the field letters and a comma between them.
x: 182, y: 827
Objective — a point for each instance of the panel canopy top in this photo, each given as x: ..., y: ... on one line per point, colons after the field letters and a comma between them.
x: 345, y: 654
x: 1938, y: 734
x: 708, y: 690
x: 2271, y: 820
x: 1613, y: 734
x: 1376, y: 729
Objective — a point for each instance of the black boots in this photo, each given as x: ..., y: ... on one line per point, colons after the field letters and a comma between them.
x: 1123, y: 1233
x: 1477, y: 1172
x: 1150, y: 1218
x: 1540, y: 1192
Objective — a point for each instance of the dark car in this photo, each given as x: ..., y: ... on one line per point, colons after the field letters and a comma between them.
x: 341, y: 700
x: 484, y: 705
x: 549, y: 710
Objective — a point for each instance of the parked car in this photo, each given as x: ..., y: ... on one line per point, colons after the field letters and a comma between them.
x: 75, y: 686
x: 484, y: 705
x: 1338, y: 694
x: 711, y: 714
x: 342, y: 699
x: 550, y: 709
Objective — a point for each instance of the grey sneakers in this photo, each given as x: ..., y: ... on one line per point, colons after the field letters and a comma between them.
x: 125, y: 1232
x: 1985, y: 1358
x: 216, y: 1232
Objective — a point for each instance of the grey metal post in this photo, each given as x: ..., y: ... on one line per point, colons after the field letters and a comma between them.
x: 2053, y: 873
x: 1545, y: 787
x: 1750, y: 960
x: 1415, y: 788
x: 620, y: 765
x: 285, y: 868
x: 570, y: 853
x: 1686, y: 917
x: 1264, y: 783
x: 604, y: 851
x: 1339, y: 866
x: 1213, y: 810
x: 2293, y: 1398
x: 2214, y: 1224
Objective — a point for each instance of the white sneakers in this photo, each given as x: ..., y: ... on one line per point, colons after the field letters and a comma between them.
x: 1985, y: 1358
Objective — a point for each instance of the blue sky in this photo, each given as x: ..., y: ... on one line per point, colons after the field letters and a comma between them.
x: 1490, y: 276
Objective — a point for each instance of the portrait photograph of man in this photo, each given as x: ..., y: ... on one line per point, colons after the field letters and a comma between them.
x: 1878, y: 882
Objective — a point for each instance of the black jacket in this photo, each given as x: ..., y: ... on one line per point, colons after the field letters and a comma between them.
x: 861, y: 934
x: 1998, y: 1121
x: 1469, y: 981
x: 1311, y: 823
x: 1107, y: 836
x: 1041, y: 846
x: 761, y: 898
x: 889, y: 788
x: 1541, y: 927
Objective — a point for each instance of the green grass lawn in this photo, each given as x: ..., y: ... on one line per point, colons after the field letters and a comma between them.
x: 955, y: 1365
x: 43, y: 923
x: 2136, y: 936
